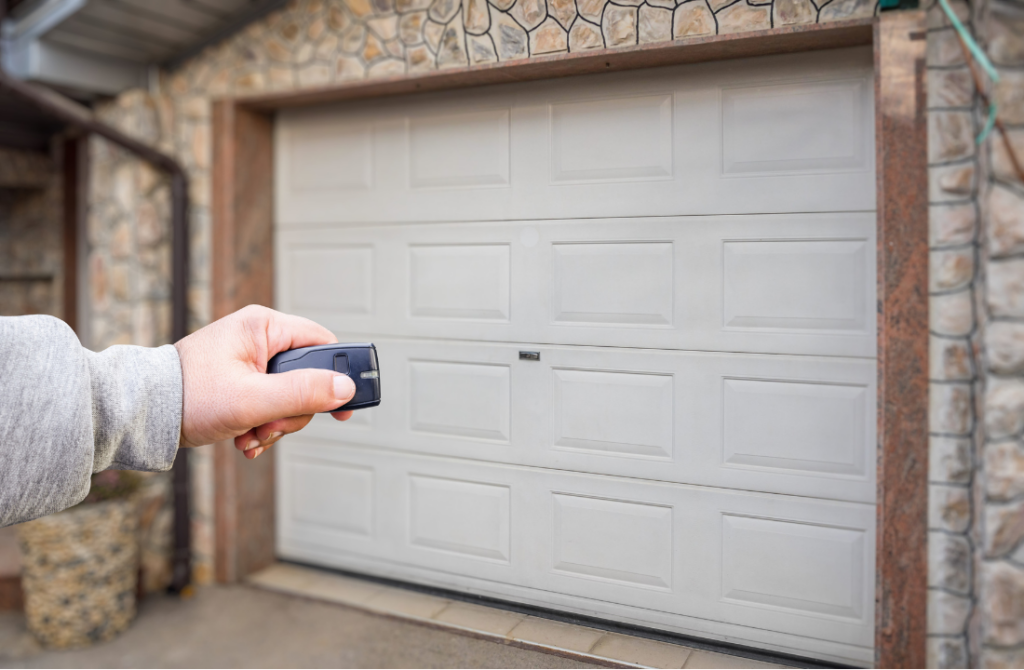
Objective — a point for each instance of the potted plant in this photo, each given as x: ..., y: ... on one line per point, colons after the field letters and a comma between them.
x: 80, y: 566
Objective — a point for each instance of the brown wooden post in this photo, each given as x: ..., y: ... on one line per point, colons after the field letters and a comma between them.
x: 902, y: 170
x: 242, y: 275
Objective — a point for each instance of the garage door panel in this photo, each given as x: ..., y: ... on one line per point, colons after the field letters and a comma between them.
x: 461, y: 517
x: 465, y: 281
x: 627, y: 333
x: 796, y: 425
x: 792, y: 565
x: 784, y: 133
x: 327, y: 501
x: 643, y: 146
x: 614, y: 413
x: 614, y: 541
x: 797, y: 283
x: 460, y: 399
x: 613, y: 283
x: 459, y: 150
x: 797, y: 128
x: 334, y: 279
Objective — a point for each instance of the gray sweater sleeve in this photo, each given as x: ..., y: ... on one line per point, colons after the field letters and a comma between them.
x: 67, y: 412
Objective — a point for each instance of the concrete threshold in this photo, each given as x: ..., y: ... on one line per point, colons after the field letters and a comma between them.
x: 497, y: 625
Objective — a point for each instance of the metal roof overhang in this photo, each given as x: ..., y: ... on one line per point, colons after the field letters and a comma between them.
x: 102, y: 47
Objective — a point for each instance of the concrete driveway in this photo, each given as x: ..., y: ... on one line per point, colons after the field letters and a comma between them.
x: 239, y: 626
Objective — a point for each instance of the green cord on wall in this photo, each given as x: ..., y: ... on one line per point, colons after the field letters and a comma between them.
x: 982, y: 59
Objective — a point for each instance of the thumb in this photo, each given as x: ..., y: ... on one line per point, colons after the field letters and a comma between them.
x: 298, y: 393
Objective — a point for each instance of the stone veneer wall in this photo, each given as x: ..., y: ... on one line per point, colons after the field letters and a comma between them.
x: 954, y: 241
x: 997, y: 629
x: 976, y: 608
x: 31, y: 258
x: 976, y: 517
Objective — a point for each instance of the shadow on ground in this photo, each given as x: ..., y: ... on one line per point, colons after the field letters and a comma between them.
x: 239, y: 626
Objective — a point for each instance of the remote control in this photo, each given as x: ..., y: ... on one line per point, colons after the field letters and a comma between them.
x: 358, y: 361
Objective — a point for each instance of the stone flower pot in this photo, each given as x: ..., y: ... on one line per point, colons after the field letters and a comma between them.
x: 79, y: 572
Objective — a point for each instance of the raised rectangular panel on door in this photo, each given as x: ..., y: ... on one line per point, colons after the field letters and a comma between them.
x: 797, y: 283
x: 462, y: 517
x: 329, y: 281
x: 459, y: 149
x: 589, y: 406
x: 795, y: 566
x: 325, y: 501
x: 797, y: 128
x: 642, y: 146
x: 460, y: 399
x: 460, y: 281
x: 797, y: 426
x: 614, y: 541
x: 613, y: 283
x: 774, y: 134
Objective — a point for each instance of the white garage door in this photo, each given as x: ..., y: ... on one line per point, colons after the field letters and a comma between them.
x: 690, y: 252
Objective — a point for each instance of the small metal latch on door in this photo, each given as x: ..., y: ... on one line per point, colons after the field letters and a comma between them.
x: 529, y: 355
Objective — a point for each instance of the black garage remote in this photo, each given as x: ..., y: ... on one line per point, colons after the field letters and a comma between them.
x: 358, y: 361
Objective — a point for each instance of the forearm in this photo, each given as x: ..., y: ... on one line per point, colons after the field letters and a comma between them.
x: 66, y: 412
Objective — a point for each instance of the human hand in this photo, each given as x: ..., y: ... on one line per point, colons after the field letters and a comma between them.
x: 228, y: 393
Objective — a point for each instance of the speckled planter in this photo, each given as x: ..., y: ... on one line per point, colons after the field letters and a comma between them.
x: 79, y: 573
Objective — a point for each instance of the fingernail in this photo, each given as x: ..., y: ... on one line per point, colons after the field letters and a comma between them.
x: 253, y: 443
x: 258, y: 452
x: 274, y: 436
x: 344, y: 388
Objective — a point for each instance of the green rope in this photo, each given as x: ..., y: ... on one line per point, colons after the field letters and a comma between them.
x: 982, y: 59
x: 990, y: 122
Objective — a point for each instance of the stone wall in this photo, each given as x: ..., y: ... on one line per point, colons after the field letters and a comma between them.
x: 955, y: 333
x: 976, y: 606
x: 317, y: 42
x: 128, y: 231
x: 998, y: 639
x: 31, y: 258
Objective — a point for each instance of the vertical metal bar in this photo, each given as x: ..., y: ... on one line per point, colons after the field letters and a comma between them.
x: 181, y: 575
x: 70, y: 195
x: 84, y: 316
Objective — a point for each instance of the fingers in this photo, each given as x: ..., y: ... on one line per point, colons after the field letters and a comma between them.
x: 343, y: 415
x: 275, y: 429
x: 286, y: 331
x: 254, y: 442
x: 295, y: 393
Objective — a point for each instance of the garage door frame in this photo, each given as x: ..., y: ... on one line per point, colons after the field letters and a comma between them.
x: 243, y: 261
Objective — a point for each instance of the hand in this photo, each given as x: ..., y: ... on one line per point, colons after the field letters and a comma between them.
x: 228, y: 393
